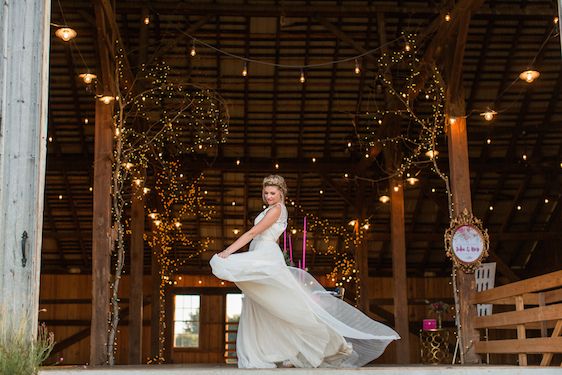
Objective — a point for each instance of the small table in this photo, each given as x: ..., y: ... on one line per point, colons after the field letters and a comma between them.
x: 434, y: 345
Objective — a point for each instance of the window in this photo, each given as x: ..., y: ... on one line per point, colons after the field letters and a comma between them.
x: 233, y: 310
x: 186, y: 321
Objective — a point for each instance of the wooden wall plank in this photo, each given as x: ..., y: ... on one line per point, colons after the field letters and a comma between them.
x: 532, y: 345
x: 510, y: 318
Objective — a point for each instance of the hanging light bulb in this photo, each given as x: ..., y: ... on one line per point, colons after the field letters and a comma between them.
x: 302, y: 79
x: 384, y: 199
x: 106, y: 99
x: 137, y: 181
x: 352, y: 223
x: 412, y: 180
x: 407, y: 47
x: 488, y: 141
x: 447, y: 17
x: 489, y: 114
x: 157, y: 222
x: 145, y: 190
x: 245, y: 70
x: 153, y: 215
x: 193, y: 52
x: 529, y: 75
x: 128, y: 165
x: 452, y: 120
x: 65, y: 33
x: 431, y: 153
x: 366, y: 226
x: 177, y: 224
x: 146, y: 20
x: 87, y: 77
x: 357, y: 67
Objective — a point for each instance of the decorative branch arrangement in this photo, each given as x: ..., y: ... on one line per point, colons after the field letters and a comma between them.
x: 152, y: 128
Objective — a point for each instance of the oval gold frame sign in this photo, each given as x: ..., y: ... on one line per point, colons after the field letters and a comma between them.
x: 466, y: 242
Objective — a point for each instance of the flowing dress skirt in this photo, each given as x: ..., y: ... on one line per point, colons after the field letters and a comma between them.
x: 288, y: 316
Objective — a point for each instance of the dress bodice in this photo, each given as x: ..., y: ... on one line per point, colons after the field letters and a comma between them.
x: 276, y: 229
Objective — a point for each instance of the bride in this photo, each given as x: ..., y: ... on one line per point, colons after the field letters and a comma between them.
x: 288, y: 319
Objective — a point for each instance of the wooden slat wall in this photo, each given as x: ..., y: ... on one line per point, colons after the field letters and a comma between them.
x: 78, y: 287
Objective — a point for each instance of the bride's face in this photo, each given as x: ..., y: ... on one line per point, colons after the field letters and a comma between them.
x: 272, y: 195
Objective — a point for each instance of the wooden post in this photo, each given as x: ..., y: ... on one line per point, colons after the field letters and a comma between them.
x: 24, y: 79
x: 155, y: 306
x: 137, y: 272
x: 137, y: 236
x: 460, y: 183
x: 398, y: 244
x: 101, y: 225
x: 101, y: 233
x: 460, y: 186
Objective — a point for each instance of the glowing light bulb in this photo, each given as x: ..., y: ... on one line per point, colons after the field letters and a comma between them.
x: 447, y: 17
x: 302, y: 78
x: 87, y: 77
x: 491, y: 208
x: 412, y: 180
x: 193, y: 52
x: 529, y: 76
x: 177, y: 224
x: 245, y: 70
x: 314, y: 160
x: 357, y: 67
x: 431, y: 153
x: 236, y: 231
x: 65, y: 33
x: 145, y: 190
x: 489, y: 114
x: 352, y: 223
x: 407, y: 47
x: 146, y: 20
x: 106, y: 99
x: 488, y: 141
x: 384, y: 199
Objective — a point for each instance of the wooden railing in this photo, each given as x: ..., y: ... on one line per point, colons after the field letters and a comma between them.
x: 537, y: 308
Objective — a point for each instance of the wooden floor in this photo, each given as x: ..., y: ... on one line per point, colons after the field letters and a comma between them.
x: 228, y: 370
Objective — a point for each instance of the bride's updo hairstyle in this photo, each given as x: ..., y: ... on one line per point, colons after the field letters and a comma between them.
x: 278, y: 182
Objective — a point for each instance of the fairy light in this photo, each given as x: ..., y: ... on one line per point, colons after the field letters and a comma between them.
x: 357, y: 67
x: 276, y: 165
x: 314, y: 160
x: 519, y: 208
x: 236, y: 231
x: 491, y: 208
x: 545, y: 200
x: 488, y: 141
x: 245, y: 70
x: 302, y: 78
x: 145, y: 190
x: 146, y: 20
x: 447, y: 17
x: 384, y: 199
x: 193, y: 52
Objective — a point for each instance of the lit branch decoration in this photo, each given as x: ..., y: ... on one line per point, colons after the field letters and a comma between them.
x: 166, y: 119
x: 178, y: 200
x: 422, y: 115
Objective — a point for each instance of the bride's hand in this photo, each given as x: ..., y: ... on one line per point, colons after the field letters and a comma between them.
x: 223, y: 254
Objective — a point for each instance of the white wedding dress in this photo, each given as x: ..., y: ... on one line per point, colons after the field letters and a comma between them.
x: 288, y: 317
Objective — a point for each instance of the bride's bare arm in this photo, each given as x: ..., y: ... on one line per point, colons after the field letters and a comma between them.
x: 270, y: 217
